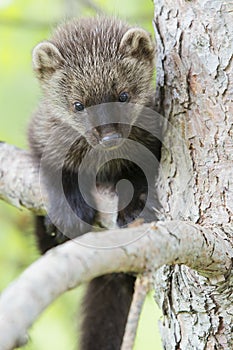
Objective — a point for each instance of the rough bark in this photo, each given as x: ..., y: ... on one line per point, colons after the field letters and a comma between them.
x: 194, y: 92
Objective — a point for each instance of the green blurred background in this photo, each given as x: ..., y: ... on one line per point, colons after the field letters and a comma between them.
x: 24, y: 23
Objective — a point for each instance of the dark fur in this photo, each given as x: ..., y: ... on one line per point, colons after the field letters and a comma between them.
x: 91, y: 61
x: 110, y: 298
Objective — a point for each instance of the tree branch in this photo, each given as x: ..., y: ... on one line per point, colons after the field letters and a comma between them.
x: 19, y: 179
x: 148, y: 247
x: 142, y: 287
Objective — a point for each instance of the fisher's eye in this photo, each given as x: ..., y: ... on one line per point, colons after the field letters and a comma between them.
x: 123, y: 97
x: 78, y: 107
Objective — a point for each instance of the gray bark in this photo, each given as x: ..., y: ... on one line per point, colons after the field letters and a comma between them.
x: 195, y: 93
x: 19, y: 179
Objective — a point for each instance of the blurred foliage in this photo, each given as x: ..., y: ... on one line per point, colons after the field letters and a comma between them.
x: 23, y: 23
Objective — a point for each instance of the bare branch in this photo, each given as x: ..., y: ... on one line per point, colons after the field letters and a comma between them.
x: 142, y: 287
x: 19, y: 180
x: 147, y: 248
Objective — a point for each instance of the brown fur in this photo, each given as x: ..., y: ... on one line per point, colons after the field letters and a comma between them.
x: 91, y: 61
x: 91, y: 65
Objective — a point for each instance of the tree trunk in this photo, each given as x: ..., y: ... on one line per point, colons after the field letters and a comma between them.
x: 195, y: 93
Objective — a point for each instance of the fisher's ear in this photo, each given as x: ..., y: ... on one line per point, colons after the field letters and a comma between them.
x: 137, y: 43
x: 46, y: 59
